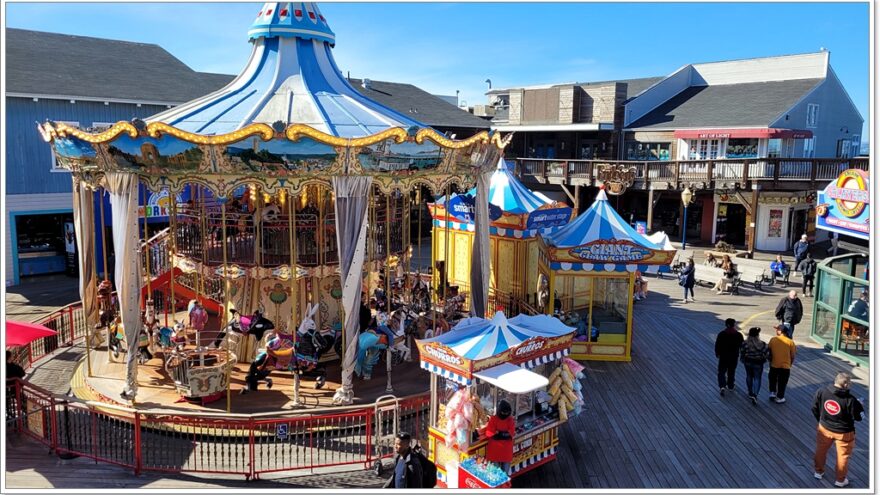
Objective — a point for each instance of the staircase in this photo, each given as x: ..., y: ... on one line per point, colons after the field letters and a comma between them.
x: 157, y: 250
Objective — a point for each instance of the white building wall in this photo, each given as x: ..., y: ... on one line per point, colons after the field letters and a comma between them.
x: 784, y: 68
x: 25, y: 203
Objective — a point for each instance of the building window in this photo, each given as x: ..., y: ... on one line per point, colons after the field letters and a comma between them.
x: 704, y: 149
x: 856, y: 147
x: 647, y: 151
x: 55, y: 167
x: 774, y: 148
x: 742, y: 148
x: 812, y: 114
x: 843, y: 148
x: 810, y: 147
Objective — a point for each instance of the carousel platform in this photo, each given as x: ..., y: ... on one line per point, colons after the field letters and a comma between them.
x: 156, y: 388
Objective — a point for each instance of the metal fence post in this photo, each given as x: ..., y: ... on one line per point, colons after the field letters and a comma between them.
x: 369, y: 416
x: 138, y: 456
x: 70, y: 316
x: 251, y: 451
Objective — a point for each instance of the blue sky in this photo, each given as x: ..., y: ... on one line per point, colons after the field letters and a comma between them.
x: 443, y: 47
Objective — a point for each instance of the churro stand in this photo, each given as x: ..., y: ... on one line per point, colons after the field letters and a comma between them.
x: 474, y: 366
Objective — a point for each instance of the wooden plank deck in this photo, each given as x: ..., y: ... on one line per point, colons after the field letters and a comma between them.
x: 659, y: 421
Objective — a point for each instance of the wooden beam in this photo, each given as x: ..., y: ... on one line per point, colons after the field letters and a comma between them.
x: 753, y: 226
x: 650, y: 208
x: 577, y: 199
x: 568, y: 193
x: 742, y: 199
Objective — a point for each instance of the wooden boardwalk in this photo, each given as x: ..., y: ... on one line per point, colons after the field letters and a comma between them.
x: 659, y: 421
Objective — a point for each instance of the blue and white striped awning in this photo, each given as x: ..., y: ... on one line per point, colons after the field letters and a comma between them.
x: 291, y: 77
x: 607, y: 267
x: 445, y: 373
x: 478, y: 338
x: 547, y: 358
x: 508, y: 193
x: 498, y: 231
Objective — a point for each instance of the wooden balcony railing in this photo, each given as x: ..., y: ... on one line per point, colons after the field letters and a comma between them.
x: 709, y: 172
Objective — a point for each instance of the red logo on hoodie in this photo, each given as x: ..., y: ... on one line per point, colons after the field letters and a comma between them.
x: 832, y: 407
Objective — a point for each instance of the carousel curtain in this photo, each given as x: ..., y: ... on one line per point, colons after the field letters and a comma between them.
x: 123, y: 189
x: 84, y: 227
x: 480, y: 261
x: 352, y: 198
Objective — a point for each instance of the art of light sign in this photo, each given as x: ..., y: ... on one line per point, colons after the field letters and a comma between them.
x: 610, y: 251
x: 843, y: 206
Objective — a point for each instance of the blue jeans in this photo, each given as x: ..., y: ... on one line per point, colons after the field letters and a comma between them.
x: 686, y: 289
x: 754, y: 371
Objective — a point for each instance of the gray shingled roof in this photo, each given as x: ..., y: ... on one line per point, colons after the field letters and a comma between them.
x: 60, y: 64
x: 729, y: 105
x: 419, y: 104
x: 633, y: 86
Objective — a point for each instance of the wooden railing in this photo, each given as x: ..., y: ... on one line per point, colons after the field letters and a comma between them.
x: 709, y: 172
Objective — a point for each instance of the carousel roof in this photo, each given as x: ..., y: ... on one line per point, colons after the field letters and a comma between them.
x: 478, y: 338
x: 290, y: 77
x: 600, y: 221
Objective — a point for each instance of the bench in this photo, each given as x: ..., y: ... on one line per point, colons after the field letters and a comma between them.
x: 751, y: 273
x: 711, y: 275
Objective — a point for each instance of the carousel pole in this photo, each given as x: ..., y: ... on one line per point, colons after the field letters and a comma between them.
x: 147, y: 262
x: 203, y: 225
x: 94, y: 288
x: 226, y: 289
x: 103, y: 236
x: 388, y: 298
x: 432, y: 292
x: 173, y: 225
x: 290, y: 234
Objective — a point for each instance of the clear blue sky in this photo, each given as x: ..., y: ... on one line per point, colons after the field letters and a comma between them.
x: 444, y: 47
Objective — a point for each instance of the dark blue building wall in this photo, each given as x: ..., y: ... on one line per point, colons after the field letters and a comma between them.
x: 29, y: 158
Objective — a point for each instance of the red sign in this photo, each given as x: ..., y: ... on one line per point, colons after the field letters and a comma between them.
x: 759, y: 133
x: 443, y: 354
x: 529, y: 347
x: 832, y: 407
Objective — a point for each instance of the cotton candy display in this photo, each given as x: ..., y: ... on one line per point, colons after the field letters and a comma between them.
x: 459, y: 414
x: 565, y: 388
x: 575, y: 396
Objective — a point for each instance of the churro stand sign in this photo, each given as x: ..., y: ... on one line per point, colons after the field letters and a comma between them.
x: 843, y: 206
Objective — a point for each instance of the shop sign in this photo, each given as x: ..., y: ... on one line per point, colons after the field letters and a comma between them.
x: 610, y: 251
x: 553, y: 217
x: 843, y: 205
x: 158, y: 205
x: 462, y: 207
x: 443, y: 354
x: 529, y: 347
x: 713, y: 135
x: 616, y: 177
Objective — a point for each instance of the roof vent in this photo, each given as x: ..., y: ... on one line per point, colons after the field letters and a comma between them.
x: 367, y: 84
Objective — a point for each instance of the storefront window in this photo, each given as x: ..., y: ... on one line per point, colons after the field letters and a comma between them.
x: 647, y: 151
x: 742, y: 148
x: 774, y: 148
x: 857, y: 300
x: 704, y: 149
x: 824, y: 325
x: 829, y: 289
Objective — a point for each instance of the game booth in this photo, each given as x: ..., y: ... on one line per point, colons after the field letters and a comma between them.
x: 478, y: 363
x: 517, y: 216
x: 590, y: 267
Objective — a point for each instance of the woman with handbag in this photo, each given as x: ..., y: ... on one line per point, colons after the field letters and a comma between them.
x: 727, y: 278
x: 687, y: 279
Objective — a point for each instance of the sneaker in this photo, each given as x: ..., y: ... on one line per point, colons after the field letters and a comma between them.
x: 684, y: 301
x: 693, y: 300
x: 818, y: 475
x: 268, y: 383
x: 730, y: 389
x: 722, y: 391
x: 780, y: 400
x: 243, y: 391
x: 754, y: 400
x: 772, y: 395
x: 841, y: 484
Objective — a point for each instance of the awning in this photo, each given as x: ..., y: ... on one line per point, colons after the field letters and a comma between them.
x: 513, y: 379
x: 759, y: 133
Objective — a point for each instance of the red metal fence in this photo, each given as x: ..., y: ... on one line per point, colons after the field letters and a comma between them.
x: 184, y: 442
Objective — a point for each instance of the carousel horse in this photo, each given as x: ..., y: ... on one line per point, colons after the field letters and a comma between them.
x: 106, y: 310
x: 256, y: 325
x: 282, y: 353
x: 118, y: 343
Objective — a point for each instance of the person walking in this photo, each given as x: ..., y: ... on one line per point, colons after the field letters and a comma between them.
x: 836, y: 411
x: 687, y: 279
x: 835, y: 239
x: 800, y: 249
x: 407, y: 467
x: 753, y: 354
x: 782, y: 353
x: 727, y: 346
x: 807, y: 267
x: 789, y: 312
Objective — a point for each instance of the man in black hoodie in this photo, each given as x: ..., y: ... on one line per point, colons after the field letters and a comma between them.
x: 727, y: 346
x: 789, y: 312
x: 836, y: 410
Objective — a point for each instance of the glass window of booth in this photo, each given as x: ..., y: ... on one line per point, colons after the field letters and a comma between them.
x: 829, y: 290
x: 609, y: 309
x: 826, y: 320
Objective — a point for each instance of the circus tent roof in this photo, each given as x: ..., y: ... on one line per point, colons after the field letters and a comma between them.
x: 508, y: 193
x: 478, y: 338
x: 292, y: 78
x: 600, y: 221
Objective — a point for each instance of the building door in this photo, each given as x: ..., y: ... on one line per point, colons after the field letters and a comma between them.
x: 798, y: 225
x: 773, y: 228
x: 730, y: 224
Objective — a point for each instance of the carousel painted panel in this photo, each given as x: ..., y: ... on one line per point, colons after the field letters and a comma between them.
x: 405, y: 158
x: 152, y: 156
x: 282, y: 158
x: 73, y: 153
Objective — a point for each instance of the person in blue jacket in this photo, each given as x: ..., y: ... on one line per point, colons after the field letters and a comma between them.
x: 687, y: 279
x: 800, y: 249
x: 778, y: 268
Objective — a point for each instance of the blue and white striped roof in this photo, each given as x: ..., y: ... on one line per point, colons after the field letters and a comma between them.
x: 290, y: 77
x: 478, y: 338
x: 508, y: 193
x: 600, y: 221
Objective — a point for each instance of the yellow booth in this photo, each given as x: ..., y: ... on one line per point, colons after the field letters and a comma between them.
x: 518, y: 215
x: 587, y: 271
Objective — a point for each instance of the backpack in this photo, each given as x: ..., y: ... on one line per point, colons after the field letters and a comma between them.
x: 429, y: 470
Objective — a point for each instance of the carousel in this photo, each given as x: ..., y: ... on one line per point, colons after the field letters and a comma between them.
x: 518, y: 215
x: 294, y: 206
x: 591, y: 267
x: 480, y: 362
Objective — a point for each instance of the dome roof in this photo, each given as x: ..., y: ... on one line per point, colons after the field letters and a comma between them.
x: 291, y: 78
